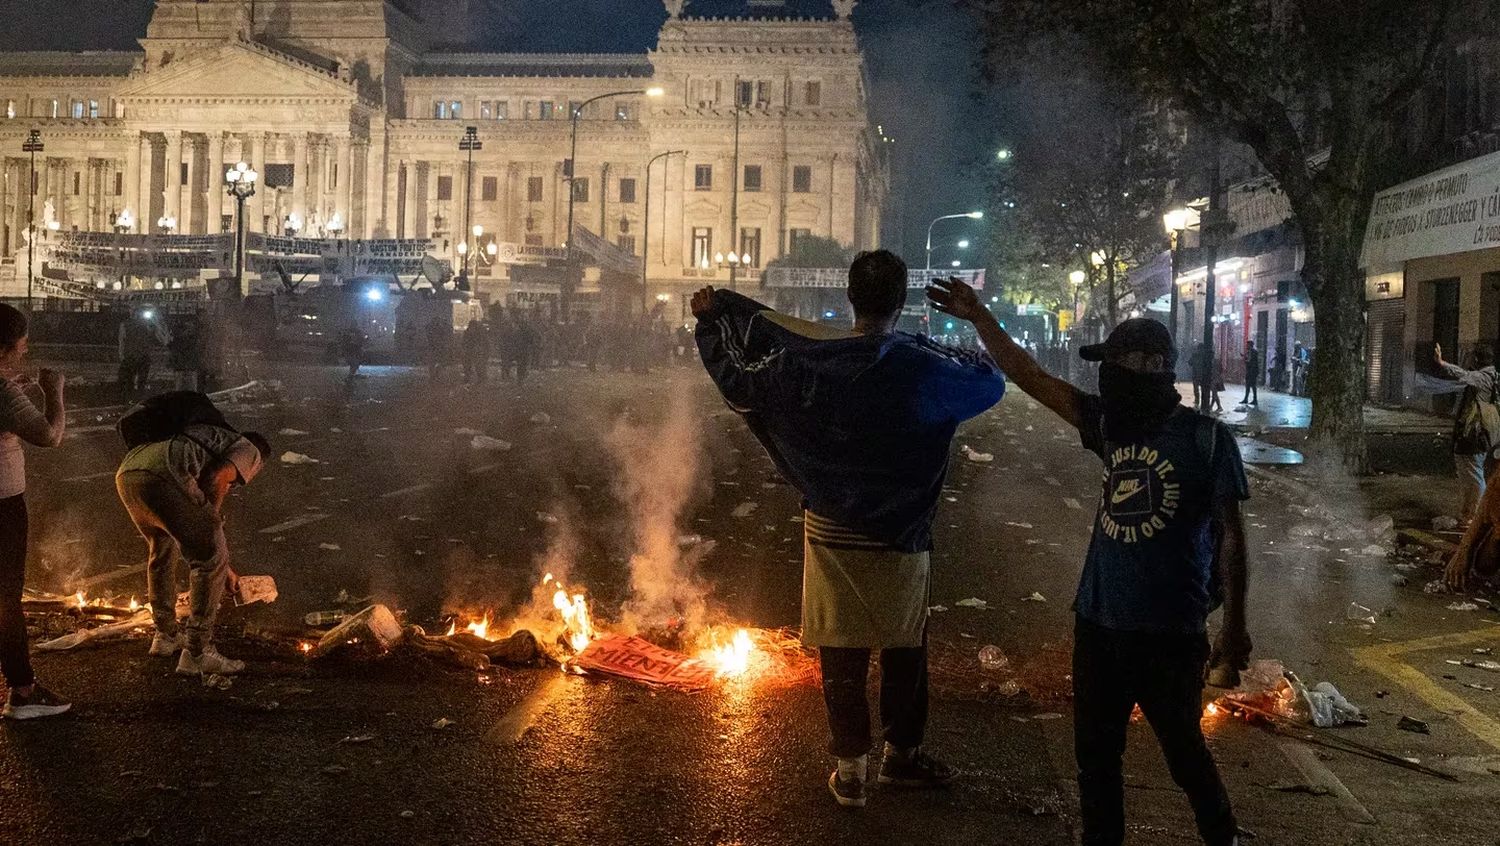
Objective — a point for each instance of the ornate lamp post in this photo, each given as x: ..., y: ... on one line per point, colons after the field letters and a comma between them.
x: 468, y: 144
x: 240, y: 180
x: 646, y: 225
x: 167, y: 223
x: 32, y: 145
x: 973, y: 215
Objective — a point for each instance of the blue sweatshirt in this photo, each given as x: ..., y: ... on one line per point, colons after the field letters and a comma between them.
x: 861, y: 425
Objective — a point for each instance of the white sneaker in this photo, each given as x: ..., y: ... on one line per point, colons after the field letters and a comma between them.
x: 164, y: 646
x: 209, y: 662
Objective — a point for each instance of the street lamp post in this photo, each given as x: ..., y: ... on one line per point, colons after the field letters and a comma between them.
x: 167, y: 224
x: 240, y: 184
x: 646, y: 224
x: 1176, y: 223
x: 973, y: 215
x: 570, y: 171
x: 32, y: 145
x: 468, y: 144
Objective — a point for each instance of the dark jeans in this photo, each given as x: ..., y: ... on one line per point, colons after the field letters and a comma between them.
x: 903, y: 697
x: 1252, y: 391
x: 15, y: 660
x: 1114, y: 671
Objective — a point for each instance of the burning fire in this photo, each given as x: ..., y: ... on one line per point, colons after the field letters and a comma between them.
x: 82, y: 600
x: 479, y: 628
x: 728, y: 660
x: 135, y: 604
x: 578, y: 624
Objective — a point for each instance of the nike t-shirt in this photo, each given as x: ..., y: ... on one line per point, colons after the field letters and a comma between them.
x: 1150, y: 561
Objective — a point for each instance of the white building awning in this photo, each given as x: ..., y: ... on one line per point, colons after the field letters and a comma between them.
x: 1453, y: 210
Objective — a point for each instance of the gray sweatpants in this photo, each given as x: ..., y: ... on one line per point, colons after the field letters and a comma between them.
x: 176, y: 524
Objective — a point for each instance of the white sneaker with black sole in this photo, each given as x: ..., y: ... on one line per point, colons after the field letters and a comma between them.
x: 208, y: 662
x: 164, y: 646
x: 41, y: 702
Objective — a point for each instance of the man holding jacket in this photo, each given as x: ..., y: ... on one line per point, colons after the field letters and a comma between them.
x: 860, y: 423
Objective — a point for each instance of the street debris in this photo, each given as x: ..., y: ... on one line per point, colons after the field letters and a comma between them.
x: 545, y: 517
x: 357, y: 738
x: 640, y: 660
x: 1435, y: 586
x: 466, y: 432
x: 1444, y: 523
x: 938, y: 609
x: 1297, y: 787
x: 217, y: 682
x: 541, y: 418
x: 1491, y: 666
x: 744, y: 509
x: 976, y: 457
x: 442, y: 722
x: 1462, y: 606
x: 408, y: 814
x: 973, y: 602
x: 291, y: 433
x: 991, y: 658
x: 320, y: 619
x: 1359, y: 613
x: 1034, y: 597
x: 1412, y: 725
x: 485, y: 443
x: 96, y: 636
x: 330, y: 547
x: 290, y: 457
x: 254, y: 589
x: 376, y: 622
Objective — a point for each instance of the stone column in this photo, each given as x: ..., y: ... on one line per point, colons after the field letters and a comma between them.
x: 172, y: 180
x: 192, y: 196
x: 344, y: 205
x: 255, y: 206
x: 216, y: 187
x: 303, y: 194
x: 144, y: 186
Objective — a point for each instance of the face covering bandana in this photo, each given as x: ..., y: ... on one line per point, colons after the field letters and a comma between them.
x: 1136, y: 404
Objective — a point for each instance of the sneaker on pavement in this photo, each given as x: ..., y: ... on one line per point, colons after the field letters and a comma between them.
x: 913, y: 768
x: 208, y: 663
x: 41, y: 702
x: 165, y: 646
x: 848, y: 792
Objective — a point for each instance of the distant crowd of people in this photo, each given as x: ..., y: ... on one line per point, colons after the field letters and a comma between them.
x: 194, y: 344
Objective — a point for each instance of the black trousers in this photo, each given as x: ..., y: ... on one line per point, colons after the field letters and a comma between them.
x: 903, y: 697
x: 1114, y: 671
x: 15, y: 660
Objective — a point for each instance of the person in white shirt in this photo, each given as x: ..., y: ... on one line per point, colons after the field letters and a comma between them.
x: 21, y: 420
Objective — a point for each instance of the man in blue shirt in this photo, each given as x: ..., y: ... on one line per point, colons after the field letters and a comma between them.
x: 1167, y: 540
x: 861, y: 424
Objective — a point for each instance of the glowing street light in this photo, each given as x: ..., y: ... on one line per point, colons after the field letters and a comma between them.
x: 1004, y: 154
x: 964, y: 244
x: 973, y: 215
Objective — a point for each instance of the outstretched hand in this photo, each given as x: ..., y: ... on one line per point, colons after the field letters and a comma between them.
x: 954, y: 296
x: 703, y: 302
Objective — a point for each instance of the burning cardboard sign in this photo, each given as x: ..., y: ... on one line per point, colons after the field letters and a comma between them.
x: 642, y: 661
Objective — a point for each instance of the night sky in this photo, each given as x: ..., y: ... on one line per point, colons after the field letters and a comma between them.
x: 919, y: 54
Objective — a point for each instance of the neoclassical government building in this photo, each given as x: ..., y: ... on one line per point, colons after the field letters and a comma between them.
x: 354, y: 118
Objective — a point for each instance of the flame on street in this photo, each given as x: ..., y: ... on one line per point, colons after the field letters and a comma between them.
x: 82, y: 601
x: 578, y: 623
x: 729, y: 659
x: 479, y: 628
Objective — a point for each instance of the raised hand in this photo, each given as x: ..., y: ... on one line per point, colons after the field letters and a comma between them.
x: 703, y: 302
x: 953, y: 296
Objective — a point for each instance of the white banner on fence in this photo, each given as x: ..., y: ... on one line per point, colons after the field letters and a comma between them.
x: 838, y: 277
x: 1453, y: 210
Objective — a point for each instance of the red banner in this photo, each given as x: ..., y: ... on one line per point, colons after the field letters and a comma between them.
x: 639, y: 660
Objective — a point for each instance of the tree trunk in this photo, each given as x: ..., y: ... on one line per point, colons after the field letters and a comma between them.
x: 1336, y: 287
x: 1114, y: 297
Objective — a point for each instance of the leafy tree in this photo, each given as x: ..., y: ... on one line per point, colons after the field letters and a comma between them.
x: 813, y: 251
x: 1082, y: 188
x: 1316, y: 88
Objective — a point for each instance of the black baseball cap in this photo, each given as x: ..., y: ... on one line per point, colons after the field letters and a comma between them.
x: 1138, y: 334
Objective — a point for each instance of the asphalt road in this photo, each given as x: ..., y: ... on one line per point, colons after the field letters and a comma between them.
x: 427, y: 524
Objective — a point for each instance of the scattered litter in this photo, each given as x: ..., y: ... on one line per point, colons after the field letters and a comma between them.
x: 442, y: 722
x: 406, y: 815
x: 1021, y: 525
x: 1382, y: 527
x: 1359, y: 613
x: 1399, y: 580
x: 685, y: 541
x: 358, y: 738
x: 254, y: 589
x: 744, y: 509
x: 1416, y: 726
x: 1483, y: 650
x: 487, y: 443
x: 319, y: 619
x: 938, y: 609
x: 376, y: 621
x: 1035, y: 597
x: 217, y: 681
x: 541, y: 418
x: 1484, y: 687
x: 976, y: 457
x: 336, y: 430
x: 290, y: 457
x: 1462, y: 606
x: 1050, y: 715
x: 291, y: 433
x: 466, y: 433
x: 991, y: 658
x: 1374, y: 549
x: 973, y: 602
x: 1444, y: 524
x: 334, y: 769
x: 331, y: 547
x: 113, y: 631
x: 545, y: 517
x: 1286, y: 787
x: 1435, y: 586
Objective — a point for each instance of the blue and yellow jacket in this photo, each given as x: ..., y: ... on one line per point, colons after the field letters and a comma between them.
x: 861, y: 425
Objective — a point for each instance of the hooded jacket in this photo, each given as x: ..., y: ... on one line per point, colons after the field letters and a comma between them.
x: 861, y: 425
